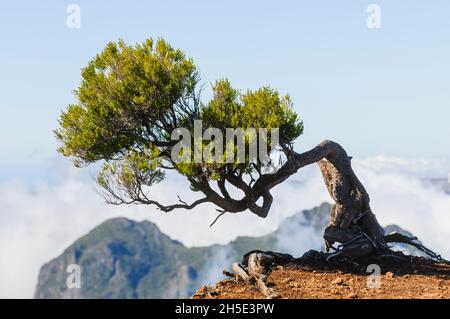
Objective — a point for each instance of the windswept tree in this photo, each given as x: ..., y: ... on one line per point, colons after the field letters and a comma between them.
x: 133, y: 99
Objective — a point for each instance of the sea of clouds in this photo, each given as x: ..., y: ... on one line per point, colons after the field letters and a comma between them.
x: 39, y: 219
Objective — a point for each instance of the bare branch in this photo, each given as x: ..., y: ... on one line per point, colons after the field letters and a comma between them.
x: 223, y: 189
x: 169, y: 208
x: 217, y: 218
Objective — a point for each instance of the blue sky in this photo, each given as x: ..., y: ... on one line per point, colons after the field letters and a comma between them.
x: 376, y: 91
x: 383, y: 94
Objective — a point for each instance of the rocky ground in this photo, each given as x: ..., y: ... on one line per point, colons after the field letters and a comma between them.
x: 421, y: 279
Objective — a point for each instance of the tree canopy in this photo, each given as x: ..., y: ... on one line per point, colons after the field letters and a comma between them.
x: 131, y: 100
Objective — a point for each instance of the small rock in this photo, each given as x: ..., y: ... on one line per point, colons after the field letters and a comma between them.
x: 294, y: 284
x: 352, y: 295
x: 338, y: 281
x: 389, y: 275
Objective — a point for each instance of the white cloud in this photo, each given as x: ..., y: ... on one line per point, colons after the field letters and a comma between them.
x: 37, y: 223
x: 400, y: 196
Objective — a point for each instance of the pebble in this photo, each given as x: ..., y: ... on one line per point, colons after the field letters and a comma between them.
x: 294, y: 284
x: 338, y: 281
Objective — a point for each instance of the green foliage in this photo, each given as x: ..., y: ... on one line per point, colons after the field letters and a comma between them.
x: 125, y: 97
x: 263, y: 108
x: 132, y: 173
x: 131, y: 99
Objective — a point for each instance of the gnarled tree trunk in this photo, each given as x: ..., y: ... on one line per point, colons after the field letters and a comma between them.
x: 351, y: 214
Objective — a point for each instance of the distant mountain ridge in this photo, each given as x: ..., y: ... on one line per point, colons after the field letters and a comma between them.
x: 122, y: 258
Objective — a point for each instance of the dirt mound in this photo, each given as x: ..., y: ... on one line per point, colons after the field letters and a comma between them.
x: 312, y: 276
